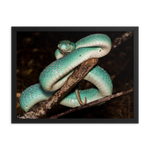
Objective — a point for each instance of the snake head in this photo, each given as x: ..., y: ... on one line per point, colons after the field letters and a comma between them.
x: 66, y: 47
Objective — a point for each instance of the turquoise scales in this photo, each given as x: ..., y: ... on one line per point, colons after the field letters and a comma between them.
x: 54, y: 76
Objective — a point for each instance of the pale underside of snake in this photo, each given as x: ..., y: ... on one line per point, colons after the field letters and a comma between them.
x: 69, y: 55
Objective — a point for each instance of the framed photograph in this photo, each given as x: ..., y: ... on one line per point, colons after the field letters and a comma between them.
x: 74, y: 74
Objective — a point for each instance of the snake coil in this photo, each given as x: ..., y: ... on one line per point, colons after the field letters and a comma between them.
x: 69, y: 55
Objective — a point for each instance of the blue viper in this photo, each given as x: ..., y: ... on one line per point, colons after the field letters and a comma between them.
x: 69, y: 55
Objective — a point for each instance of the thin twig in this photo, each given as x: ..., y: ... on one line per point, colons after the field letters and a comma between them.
x: 79, y: 98
x: 107, y: 98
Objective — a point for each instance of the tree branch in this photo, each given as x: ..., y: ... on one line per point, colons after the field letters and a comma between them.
x: 39, y: 110
x: 123, y: 38
x: 104, y: 99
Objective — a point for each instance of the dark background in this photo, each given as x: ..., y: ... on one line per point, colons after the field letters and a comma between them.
x: 35, y: 50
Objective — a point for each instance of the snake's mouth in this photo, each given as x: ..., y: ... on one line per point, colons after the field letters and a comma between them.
x: 63, y: 52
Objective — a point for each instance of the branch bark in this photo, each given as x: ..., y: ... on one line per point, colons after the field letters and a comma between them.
x: 39, y: 110
x: 107, y: 98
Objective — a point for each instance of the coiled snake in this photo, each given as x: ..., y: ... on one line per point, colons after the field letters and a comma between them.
x: 69, y: 55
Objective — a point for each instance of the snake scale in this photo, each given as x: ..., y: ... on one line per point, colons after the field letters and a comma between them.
x: 69, y: 55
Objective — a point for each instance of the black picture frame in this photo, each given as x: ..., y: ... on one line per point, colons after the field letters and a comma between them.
x: 15, y: 30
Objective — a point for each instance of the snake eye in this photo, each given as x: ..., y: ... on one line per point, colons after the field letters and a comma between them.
x: 69, y: 44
